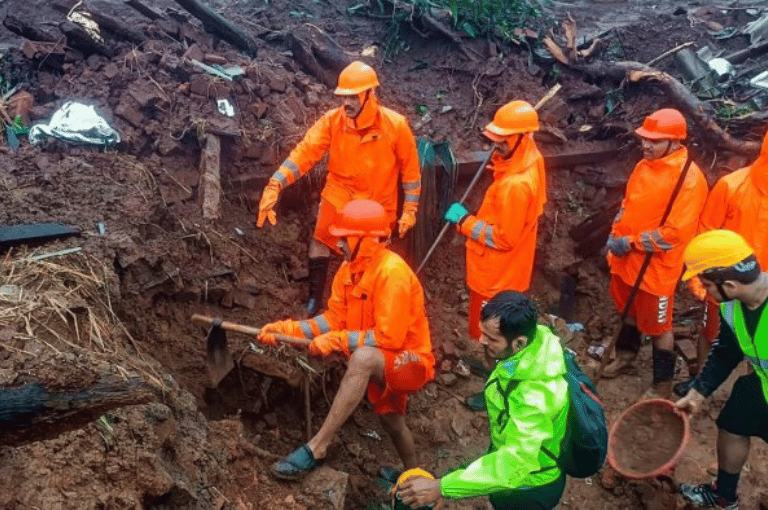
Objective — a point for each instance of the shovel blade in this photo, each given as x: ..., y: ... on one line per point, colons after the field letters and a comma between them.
x: 219, y: 359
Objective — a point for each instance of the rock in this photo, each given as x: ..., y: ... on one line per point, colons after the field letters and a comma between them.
x: 211, y: 58
x: 447, y: 379
x: 461, y: 424
x: 194, y: 52
x: 130, y: 110
x: 327, y: 484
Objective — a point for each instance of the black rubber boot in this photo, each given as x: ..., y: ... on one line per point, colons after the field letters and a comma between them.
x: 681, y: 389
x: 663, y: 373
x: 318, y: 271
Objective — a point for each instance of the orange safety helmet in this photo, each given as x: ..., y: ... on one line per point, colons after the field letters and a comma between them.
x: 665, y: 124
x: 512, y: 118
x: 357, y: 77
x: 714, y: 249
x: 362, y: 217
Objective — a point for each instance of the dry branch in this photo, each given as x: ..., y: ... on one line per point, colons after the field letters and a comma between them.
x: 689, y: 104
x: 32, y: 413
x: 318, y: 53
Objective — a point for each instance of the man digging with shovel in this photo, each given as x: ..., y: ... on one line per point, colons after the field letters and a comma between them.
x: 376, y: 317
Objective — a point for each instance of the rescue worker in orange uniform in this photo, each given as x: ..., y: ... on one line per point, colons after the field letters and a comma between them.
x: 369, y: 148
x: 738, y: 202
x: 501, y: 237
x: 375, y: 317
x: 637, y: 231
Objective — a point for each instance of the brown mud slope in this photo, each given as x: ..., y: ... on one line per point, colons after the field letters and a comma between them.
x: 122, y: 305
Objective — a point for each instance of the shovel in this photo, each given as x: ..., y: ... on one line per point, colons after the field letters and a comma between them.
x: 219, y: 358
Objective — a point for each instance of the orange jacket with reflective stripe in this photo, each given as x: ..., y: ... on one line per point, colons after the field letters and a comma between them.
x: 380, y: 302
x: 362, y: 163
x: 649, y: 190
x: 739, y: 202
x: 501, y: 238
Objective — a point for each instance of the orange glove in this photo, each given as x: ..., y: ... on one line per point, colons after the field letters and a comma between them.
x: 697, y: 288
x: 286, y: 327
x: 406, y: 221
x: 327, y: 343
x: 267, y: 204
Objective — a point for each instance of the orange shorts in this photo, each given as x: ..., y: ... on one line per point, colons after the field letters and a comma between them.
x: 652, y: 313
x: 326, y: 216
x: 711, y: 326
x: 476, y: 302
x: 404, y: 373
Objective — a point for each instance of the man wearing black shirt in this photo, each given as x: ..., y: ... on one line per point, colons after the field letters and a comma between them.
x: 731, y: 274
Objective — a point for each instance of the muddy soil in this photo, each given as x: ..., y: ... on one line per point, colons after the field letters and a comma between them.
x: 200, y: 447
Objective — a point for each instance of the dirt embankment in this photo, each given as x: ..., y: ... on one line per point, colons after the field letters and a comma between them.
x: 158, y: 260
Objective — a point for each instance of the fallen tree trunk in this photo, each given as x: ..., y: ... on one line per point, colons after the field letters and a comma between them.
x: 32, y: 413
x: 318, y: 54
x: 79, y: 39
x: 689, y: 104
x: 27, y: 31
x: 106, y: 23
x: 220, y: 26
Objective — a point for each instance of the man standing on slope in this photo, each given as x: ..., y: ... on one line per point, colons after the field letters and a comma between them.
x: 376, y: 317
x: 369, y: 147
x: 738, y: 202
x: 637, y: 232
x: 731, y: 274
x: 501, y: 237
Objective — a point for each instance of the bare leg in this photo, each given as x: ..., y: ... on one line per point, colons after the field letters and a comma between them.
x: 732, y: 451
x: 665, y: 341
x: 702, y: 352
x: 318, y: 249
x: 402, y: 437
x: 365, y: 363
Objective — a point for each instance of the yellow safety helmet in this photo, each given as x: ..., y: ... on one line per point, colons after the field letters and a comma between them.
x: 396, y: 503
x: 714, y: 249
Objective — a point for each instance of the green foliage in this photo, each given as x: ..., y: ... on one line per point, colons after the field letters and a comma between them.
x: 729, y: 111
x: 480, y: 17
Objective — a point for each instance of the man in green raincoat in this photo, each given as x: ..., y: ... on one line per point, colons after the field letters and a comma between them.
x: 527, y: 402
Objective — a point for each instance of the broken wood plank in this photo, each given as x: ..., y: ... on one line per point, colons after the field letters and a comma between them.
x: 220, y: 26
x: 469, y: 164
x: 209, y: 189
x: 752, y: 51
x: 148, y: 11
x: 32, y: 413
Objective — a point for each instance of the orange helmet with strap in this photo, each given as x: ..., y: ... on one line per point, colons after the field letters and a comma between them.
x: 665, y: 124
x: 361, y: 218
x: 713, y: 250
x: 357, y: 77
x: 512, y: 118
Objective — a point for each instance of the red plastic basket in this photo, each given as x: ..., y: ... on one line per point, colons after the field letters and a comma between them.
x: 648, y: 439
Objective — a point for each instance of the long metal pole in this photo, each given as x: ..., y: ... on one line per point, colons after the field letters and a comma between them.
x: 476, y: 178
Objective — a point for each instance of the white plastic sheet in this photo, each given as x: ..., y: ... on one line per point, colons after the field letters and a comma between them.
x: 76, y: 123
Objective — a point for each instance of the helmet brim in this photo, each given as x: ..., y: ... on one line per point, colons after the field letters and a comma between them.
x: 494, y: 137
x: 345, y: 232
x: 652, y: 135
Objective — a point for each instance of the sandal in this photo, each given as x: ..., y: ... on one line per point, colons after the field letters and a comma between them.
x: 296, y: 464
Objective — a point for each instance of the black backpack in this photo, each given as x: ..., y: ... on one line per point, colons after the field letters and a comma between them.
x: 585, y: 444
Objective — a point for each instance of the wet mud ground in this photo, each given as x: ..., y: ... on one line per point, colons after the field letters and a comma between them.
x: 203, y: 448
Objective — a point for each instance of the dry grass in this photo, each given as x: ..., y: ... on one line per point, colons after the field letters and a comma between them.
x: 65, y: 305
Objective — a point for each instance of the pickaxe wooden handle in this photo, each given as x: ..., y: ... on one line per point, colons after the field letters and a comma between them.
x: 246, y: 330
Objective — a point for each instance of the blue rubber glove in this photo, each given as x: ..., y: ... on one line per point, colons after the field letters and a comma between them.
x: 619, y: 246
x: 455, y: 213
